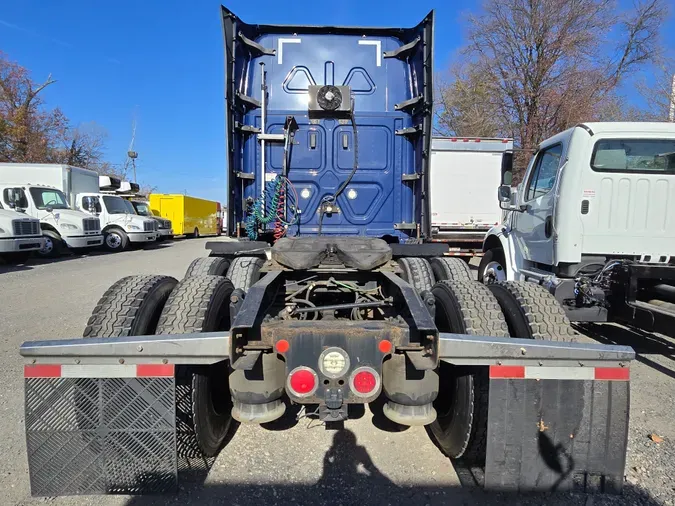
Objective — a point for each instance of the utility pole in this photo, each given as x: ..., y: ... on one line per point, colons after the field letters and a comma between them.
x: 671, y: 112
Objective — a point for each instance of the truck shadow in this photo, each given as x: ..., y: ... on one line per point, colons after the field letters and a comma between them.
x: 350, y: 477
x: 34, y: 261
x: 644, y: 343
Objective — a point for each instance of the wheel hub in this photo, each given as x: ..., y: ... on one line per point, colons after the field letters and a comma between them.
x: 494, y: 272
x: 113, y: 241
x: 48, y: 247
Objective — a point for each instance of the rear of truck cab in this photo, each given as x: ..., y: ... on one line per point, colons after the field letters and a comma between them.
x: 617, y: 209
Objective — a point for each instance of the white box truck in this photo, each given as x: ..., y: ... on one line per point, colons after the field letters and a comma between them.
x: 46, y: 192
x: 593, y: 222
x: 19, y: 235
x: 464, y: 173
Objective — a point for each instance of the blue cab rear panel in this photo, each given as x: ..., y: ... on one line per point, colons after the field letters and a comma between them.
x: 389, y: 75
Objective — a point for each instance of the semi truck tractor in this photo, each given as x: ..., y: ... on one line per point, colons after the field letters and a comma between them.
x: 592, y: 222
x: 20, y: 235
x: 48, y: 192
x: 462, y: 214
x: 324, y: 297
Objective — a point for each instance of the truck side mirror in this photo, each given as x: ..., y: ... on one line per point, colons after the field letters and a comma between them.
x: 507, y: 167
x: 504, y: 193
x: 49, y: 209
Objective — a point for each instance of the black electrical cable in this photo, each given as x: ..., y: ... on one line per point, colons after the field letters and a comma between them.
x: 333, y: 198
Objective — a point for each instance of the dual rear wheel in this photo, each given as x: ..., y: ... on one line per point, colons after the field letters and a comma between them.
x: 463, y: 306
x: 147, y: 305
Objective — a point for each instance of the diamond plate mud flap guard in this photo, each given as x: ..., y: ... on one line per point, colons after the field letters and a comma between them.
x: 557, y: 428
x: 103, y: 429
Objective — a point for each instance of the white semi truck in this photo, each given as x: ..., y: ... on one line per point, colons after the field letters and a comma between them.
x: 594, y: 222
x: 19, y: 235
x: 46, y: 192
x: 464, y: 173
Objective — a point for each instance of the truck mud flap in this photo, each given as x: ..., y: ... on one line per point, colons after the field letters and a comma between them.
x: 104, y: 429
x: 557, y: 428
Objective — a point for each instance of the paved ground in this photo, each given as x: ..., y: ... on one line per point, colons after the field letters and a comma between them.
x: 305, y: 464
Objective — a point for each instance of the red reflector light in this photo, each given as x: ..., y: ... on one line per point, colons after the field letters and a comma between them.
x: 364, y: 382
x: 283, y: 346
x: 385, y: 346
x: 302, y: 381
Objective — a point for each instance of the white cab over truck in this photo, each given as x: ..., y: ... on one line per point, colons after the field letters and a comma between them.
x: 46, y: 192
x: 464, y: 173
x: 121, y: 224
x: 19, y: 234
x: 594, y: 222
x: 130, y: 191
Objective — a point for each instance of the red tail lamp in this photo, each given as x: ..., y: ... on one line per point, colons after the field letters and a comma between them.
x: 302, y: 382
x: 364, y: 381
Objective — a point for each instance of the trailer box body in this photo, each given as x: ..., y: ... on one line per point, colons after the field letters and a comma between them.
x: 464, y: 175
x: 70, y: 180
x: 187, y: 214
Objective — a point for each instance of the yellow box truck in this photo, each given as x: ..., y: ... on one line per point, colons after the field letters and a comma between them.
x: 190, y: 216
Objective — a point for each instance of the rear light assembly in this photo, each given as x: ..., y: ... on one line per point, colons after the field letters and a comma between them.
x: 364, y: 382
x: 302, y: 382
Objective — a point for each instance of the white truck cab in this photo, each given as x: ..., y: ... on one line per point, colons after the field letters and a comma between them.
x: 121, y: 225
x: 61, y: 225
x: 596, y: 205
x: 19, y: 234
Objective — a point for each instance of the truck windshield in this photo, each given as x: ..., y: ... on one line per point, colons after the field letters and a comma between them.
x: 634, y: 155
x: 130, y: 208
x: 142, y: 208
x: 116, y: 205
x: 49, y: 197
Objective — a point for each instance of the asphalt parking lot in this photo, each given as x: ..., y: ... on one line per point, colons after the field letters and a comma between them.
x: 369, y: 463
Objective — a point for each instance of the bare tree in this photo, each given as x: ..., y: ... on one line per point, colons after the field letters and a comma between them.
x: 549, y: 64
x: 27, y: 131
x: 81, y: 146
x: 658, y: 94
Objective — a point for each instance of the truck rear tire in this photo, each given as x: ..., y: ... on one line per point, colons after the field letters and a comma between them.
x: 460, y: 429
x: 53, y: 244
x: 214, y: 266
x: 130, y: 307
x: 492, y: 266
x: 244, y: 272
x: 451, y: 268
x: 115, y: 239
x: 532, y: 312
x: 417, y: 272
x: 201, y: 304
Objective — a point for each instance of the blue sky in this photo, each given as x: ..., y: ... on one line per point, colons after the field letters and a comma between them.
x: 162, y: 61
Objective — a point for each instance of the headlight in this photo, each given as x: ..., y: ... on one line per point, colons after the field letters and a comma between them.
x: 68, y: 226
x: 134, y: 227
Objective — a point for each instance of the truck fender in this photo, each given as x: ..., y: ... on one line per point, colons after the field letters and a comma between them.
x: 47, y: 226
x: 498, y: 237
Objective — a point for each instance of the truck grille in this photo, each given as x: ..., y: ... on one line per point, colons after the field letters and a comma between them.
x: 26, y: 227
x: 150, y: 226
x: 91, y: 224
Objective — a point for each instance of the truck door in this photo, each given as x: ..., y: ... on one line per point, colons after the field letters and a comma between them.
x: 533, y: 228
